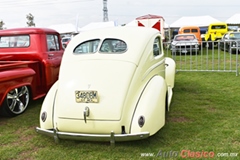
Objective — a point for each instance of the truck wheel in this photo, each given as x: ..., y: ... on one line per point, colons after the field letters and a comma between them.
x: 16, y: 102
x: 210, y: 44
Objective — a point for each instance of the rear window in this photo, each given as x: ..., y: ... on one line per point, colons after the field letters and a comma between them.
x: 87, y: 47
x: 186, y: 31
x: 194, y: 30
x: 19, y: 41
x: 113, y: 46
x: 110, y: 46
x: 219, y: 27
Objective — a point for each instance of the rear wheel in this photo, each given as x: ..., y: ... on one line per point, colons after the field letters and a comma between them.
x: 16, y: 102
x: 210, y: 43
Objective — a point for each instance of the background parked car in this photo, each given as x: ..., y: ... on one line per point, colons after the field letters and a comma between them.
x: 215, y: 32
x: 65, y: 41
x: 193, y: 30
x: 184, y: 43
x: 230, y: 42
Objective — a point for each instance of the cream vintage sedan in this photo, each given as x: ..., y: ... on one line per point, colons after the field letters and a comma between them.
x: 114, y: 85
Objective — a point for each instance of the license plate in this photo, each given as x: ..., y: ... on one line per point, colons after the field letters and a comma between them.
x: 86, y: 96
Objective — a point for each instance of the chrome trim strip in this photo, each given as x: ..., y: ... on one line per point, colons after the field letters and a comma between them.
x: 111, y: 137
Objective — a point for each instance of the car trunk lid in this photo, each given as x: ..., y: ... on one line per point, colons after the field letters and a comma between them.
x: 95, y: 87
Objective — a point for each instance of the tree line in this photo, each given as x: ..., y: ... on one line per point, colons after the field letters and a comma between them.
x: 30, y: 21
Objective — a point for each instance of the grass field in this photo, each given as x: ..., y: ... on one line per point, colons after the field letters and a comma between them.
x: 204, y: 118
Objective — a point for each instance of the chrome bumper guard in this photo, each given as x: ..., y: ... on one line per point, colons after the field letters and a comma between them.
x: 112, y: 137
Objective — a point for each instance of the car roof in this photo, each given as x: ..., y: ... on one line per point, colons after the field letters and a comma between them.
x: 218, y: 23
x: 122, y: 32
x: 188, y: 27
x: 136, y: 39
x: 233, y: 33
x: 26, y: 30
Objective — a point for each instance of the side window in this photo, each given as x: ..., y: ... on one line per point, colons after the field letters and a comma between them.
x: 52, y: 43
x: 56, y: 42
x: 157, y: 46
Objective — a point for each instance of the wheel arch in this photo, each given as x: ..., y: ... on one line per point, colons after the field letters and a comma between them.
x: 47, y: 108
x: 28, y: 85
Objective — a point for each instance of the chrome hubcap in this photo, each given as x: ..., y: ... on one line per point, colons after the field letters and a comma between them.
x: 17, y: 100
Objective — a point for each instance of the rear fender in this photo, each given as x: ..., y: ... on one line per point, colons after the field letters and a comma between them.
x: 206, y: 36
x: 151, y: 106
x: 47, y: 109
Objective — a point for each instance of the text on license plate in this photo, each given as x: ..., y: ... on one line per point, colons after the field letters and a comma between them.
x: 86, y: 96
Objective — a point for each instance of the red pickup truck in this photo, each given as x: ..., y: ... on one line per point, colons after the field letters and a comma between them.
x: 29, y: 65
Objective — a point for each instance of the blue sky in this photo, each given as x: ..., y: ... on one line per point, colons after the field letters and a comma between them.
x: 83, y: 12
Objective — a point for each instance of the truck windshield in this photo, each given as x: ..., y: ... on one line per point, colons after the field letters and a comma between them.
x: 14, y: 41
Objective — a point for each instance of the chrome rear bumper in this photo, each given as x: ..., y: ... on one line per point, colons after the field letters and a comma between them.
x: 111, y: 137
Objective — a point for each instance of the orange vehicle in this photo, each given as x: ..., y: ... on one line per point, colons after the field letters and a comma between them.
x: 193, y: 30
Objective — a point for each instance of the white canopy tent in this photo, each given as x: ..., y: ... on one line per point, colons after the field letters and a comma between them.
x: 200, y: 21
x: 234, y: 20
x: 95, y: 25
x: 67, y: 28
x: 132, y: 23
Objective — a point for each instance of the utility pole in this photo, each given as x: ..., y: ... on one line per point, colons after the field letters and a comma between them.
x: 105, y: 11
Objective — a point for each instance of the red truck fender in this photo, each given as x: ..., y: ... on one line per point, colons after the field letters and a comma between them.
x: 13, y: 80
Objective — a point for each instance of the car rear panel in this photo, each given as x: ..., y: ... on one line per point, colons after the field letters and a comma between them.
x: 111, y: 80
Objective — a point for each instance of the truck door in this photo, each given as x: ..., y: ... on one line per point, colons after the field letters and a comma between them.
x: 54, y: 52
